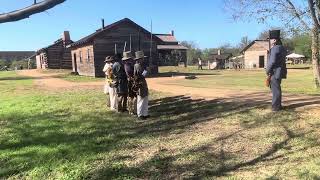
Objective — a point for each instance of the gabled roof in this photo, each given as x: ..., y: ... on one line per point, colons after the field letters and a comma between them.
x: 45, y: 48
x: 167, y: 38
x: 55, y: 43
x: 90, y: 37
x: 223, y: 56
x: 252, y: 43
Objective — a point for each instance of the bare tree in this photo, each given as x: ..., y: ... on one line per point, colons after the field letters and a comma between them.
x: 28, y: 11
x: 244, y: 42
x: 294, y: 14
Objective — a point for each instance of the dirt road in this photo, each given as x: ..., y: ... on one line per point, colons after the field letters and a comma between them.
x: 50, y: 81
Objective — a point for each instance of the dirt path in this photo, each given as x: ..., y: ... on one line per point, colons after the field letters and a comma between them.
x: 50, y: 81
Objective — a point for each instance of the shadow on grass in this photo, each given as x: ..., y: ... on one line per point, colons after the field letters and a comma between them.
x: 75, y: 136
x: 16, y: 78
x: 171, y: 74
x: 297, y: 68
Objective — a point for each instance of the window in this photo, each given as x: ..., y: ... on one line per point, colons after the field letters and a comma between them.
x: 80, y: 56
x: 88, y: 55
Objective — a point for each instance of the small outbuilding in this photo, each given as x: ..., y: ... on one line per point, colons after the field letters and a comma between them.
x: 171, y: 53
x: 56, y: 55
x: 256, y: 54
x: 219, y: 60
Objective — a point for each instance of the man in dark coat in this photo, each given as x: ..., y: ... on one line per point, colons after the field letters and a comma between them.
x: 121, y: 84
x: 141, y: 86
x: 276, y: 68
x: 132, y: 96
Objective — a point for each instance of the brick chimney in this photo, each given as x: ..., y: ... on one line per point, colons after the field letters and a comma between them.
x: 172, y: 32
x: 66, y: 38
x: 102, y: 23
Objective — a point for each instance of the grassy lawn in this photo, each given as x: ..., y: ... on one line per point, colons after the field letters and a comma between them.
x: 299, y: 80
x: 71, y: 135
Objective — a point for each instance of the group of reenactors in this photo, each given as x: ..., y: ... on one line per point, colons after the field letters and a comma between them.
x: 127, y: 89
x: 126, y: 86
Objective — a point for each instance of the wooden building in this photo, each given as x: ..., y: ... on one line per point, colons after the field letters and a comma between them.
x: 88, y: 54
x: 55, y: 56
x: 256, y: 54
x: 171, y: 53
x: 219, y: 59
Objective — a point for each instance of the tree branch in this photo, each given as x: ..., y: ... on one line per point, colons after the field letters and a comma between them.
x: 28, y: 11
x: 297, y: 14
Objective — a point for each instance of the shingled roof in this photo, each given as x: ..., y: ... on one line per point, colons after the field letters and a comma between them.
x: 91, y: 37
x: 252, y: 43
x: 45, y: 48
x: 167, y: 38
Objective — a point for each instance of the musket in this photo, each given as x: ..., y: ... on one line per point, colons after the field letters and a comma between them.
x: 151, y: 40
x: 125, y: 46
x: 130, y: 43
x: 268, y: 57
x: 139, y: 40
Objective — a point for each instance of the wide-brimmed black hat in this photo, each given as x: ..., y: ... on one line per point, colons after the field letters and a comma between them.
x: 109, y: 59
x: 274, y: 34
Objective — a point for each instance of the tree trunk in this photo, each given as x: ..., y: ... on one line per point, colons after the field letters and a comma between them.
x: 315, y: 56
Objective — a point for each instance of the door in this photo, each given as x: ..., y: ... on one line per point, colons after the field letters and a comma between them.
x: 75, y: 62
x: 261, y: 61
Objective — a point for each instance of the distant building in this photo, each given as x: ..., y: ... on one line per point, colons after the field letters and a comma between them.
x: 16, y: 55
x: 88, y: 54
x: 169, y: 49
x: 256, y: 54
x: 56, y: 55
x: 219, y: 60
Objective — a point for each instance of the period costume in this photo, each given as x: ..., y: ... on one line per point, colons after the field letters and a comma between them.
x: 141, y: 86
x: 199, y: 64
x: 109, y: 89
x: 277, y: 70
x: 129, y: 68
x: 121, y: 84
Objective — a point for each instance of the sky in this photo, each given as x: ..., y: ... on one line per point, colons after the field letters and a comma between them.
x: 203, y: 21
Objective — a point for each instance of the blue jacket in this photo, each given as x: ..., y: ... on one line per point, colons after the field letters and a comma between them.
x: 277, y: 62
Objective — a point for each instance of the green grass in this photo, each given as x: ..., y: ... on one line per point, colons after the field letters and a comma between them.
x: 298, y: 81
x: 71, y: 135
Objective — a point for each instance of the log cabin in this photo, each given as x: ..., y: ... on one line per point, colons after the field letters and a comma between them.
x: 56, y: 55
x: 88, y: 53
x: 256, y: 54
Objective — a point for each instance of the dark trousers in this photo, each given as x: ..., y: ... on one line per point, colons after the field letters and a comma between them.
x: 199, y: 67
x: 276, y: 93
x: 122, y: 102
x: 108, y: 100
